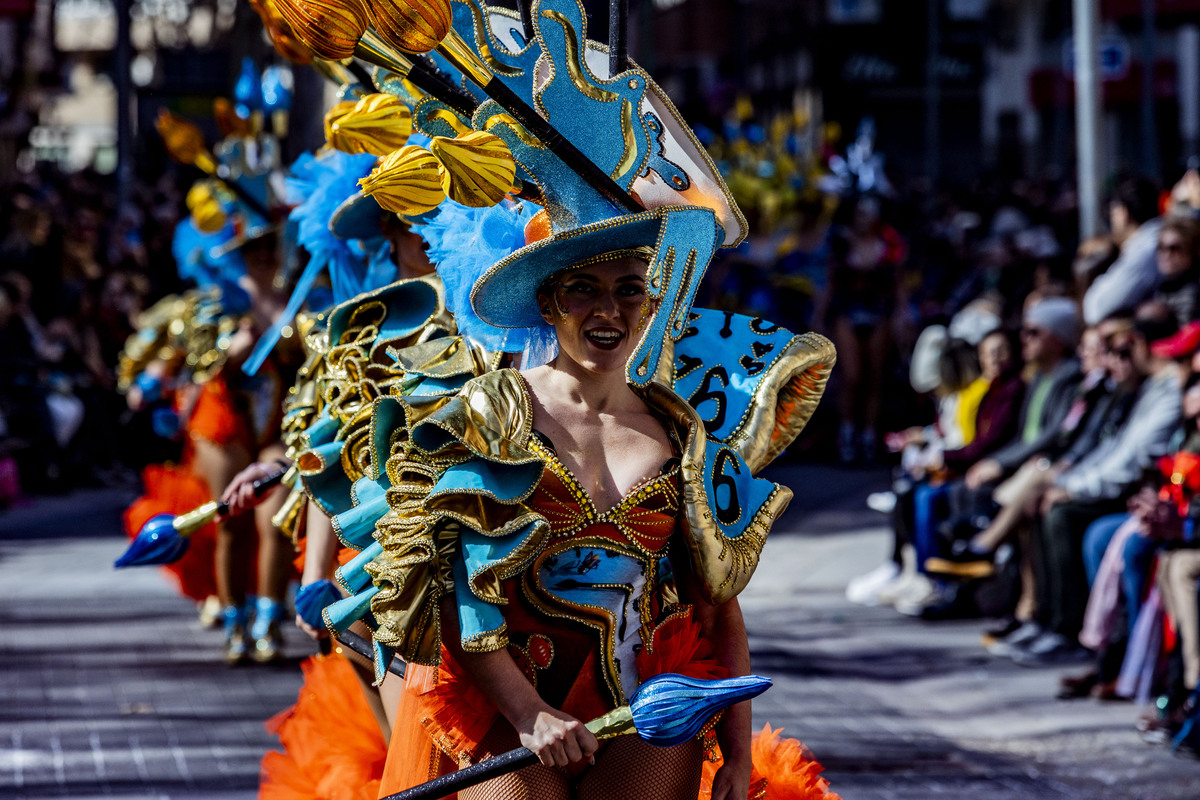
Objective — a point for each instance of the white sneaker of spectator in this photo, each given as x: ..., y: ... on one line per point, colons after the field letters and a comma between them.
x: 908, y: 585
x: 883, y: 502
x: 911, y: 605
x: 865, y: 589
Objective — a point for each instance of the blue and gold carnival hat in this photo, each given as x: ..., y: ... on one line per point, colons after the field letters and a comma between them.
x: 625, y: 124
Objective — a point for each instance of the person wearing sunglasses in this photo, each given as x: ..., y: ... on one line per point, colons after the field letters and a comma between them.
x: 1099, y: 484
x: 1178, y: 260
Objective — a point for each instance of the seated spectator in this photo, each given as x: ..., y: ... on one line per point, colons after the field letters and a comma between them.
x: 1133, y: 276
x: 1119, y: 552
x: 1099, y: 484
x: 1048, y: 339
x: 1178, y: 577
x: 982, y: 425
x: 1178, y: 261
x: 1101, y: 403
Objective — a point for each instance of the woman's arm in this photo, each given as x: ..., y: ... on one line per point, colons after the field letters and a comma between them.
x: 320, y: 557
x: 557, y: 738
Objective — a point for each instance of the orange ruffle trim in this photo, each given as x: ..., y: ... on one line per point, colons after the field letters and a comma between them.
x: 171, y: 489
x: 215, y: 416
x: 784, y: 769
x: 332, y: 747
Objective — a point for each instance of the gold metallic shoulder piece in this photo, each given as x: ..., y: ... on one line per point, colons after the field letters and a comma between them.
x: 785, y: 400
x: 492, y: 416
x: 724, y: 551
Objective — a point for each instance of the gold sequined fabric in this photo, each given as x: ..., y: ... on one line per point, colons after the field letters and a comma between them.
x: 491, y: 418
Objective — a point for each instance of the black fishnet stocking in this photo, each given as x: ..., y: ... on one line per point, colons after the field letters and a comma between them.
x: 631, y: 769
x: 627, y: 768
x: 537, y: 782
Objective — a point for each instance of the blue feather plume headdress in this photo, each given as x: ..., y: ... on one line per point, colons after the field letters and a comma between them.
x: 463, y: 243
x: 195, y: 261
x: 319, y: 184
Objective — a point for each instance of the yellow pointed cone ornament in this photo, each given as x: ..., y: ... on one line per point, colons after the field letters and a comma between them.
x: 333, y: 115
x: 406, y: 182
x: 184, y: 141
x: 204, y: 201
x: 330, y: 28
x: 415, y: 26
x: 476, y: 169
x: 378, y: 124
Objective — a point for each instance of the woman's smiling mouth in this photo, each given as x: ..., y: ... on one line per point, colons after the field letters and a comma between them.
x: 605, y: 338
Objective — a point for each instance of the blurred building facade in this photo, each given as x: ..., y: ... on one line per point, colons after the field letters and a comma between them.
x: 959, y: 86
x: 61, y: 106
x: 955, y: 87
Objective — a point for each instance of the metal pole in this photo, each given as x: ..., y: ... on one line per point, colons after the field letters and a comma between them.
x: 1149, y: 122
x: 932, y: 91
x: 618, y: 40
x: 124, y: 83
x: 1188, y: 57
x: 1087, y: 114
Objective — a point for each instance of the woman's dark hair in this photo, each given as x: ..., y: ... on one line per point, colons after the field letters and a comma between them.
x: 1139, y: 195
x: 1013, y: 338
x: 958, y: 365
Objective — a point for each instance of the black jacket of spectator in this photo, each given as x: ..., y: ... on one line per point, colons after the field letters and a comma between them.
x: 1064, y: 379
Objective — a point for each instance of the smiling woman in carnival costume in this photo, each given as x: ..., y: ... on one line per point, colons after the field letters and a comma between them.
x: 535, y: 544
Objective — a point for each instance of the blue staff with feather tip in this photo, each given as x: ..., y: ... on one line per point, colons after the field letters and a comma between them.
x: 666, y: 710
x: 165, y: 538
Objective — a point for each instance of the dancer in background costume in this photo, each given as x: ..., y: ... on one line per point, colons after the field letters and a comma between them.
x: 229, y: 247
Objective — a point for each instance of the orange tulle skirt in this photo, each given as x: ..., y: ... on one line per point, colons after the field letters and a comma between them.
x: 175, y: 489
x: 332, y: 747
x: 216, y: 418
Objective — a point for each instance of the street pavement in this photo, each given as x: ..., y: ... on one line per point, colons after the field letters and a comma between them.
x: 111, y: 690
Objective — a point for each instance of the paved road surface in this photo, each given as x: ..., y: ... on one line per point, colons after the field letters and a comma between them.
x: 111, y: 690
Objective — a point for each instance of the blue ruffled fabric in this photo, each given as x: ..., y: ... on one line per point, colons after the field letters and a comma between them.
x: 464, y: 243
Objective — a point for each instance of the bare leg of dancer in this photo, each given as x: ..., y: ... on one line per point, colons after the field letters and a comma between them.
x: 235, y: 541
x: 274, y: 566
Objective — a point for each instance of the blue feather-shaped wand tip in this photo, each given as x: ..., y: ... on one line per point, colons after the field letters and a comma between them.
x: 669, y: 709
x: 164, y: 538
x: 157, y: 543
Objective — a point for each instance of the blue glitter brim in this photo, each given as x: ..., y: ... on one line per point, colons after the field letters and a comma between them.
x: 505, y: 295
x: 358, y: 217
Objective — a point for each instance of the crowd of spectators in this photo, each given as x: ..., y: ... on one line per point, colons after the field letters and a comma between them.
x: 74, y: 274
x: 1050, y: 484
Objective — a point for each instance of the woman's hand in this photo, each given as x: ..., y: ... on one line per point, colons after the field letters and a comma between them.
x: 311, y: 632
x: 239, y: 494
x: 557, y: 738
x: 732, y: 781
x: 241, y: 343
